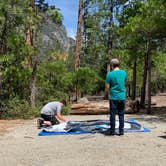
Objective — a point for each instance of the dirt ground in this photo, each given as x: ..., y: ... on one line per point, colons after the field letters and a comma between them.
x: 21, y: 145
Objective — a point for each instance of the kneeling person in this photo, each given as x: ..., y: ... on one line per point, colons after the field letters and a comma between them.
x: 51, y: 114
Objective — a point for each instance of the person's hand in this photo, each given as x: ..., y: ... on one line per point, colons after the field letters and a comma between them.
x: 66, y: 121
x: 70, y: 122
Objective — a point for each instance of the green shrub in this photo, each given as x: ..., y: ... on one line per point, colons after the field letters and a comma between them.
x: 16, y: 108
x: 87, y: 80
x: 66, y: 110
x: 56, y: 16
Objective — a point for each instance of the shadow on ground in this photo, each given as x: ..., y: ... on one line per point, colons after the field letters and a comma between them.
x: 158, y: 114
x: 162, y: 136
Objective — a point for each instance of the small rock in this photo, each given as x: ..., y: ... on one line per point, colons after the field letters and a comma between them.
x: 83, y: 100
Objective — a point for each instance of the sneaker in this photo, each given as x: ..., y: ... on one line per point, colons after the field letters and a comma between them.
x: 112, y: 133
x: 109, y: 133
x: 40, y: 123
x: 121, y: 133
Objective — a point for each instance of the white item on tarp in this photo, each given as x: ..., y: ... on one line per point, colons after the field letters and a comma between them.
x: 56, y: 128
x: 126, y: 125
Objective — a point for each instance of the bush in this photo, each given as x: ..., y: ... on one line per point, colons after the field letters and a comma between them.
x: 87, y: 80
x: 54, y: 83
x: 56, y: 16
x: 16, y: 108
x: 66, y: 110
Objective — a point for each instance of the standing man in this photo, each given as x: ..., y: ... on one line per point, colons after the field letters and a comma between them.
x: 115, y: 86
x: 51, y: 114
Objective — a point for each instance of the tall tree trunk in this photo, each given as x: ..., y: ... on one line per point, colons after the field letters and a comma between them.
x: 84, y: 16
x: 33, y: 3
x: 3, y: 37
x: 33, y: 83
x: 129, y: 90
x: 29, y: 41
x: 158, y: 90
x: 149, y: 75
x: 110, y: 25
x: 78, y: 44
x: 109, y: 42
x: 78, y: 40
x: 143, y: 89
x: 3, y: 44
x: 133, y: 96
x: 33, y: 62
x: 146, y: 88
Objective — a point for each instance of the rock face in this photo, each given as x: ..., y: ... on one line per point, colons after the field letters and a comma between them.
x: 54, y: 37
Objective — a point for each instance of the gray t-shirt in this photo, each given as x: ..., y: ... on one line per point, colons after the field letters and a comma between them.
x: 51, y: 108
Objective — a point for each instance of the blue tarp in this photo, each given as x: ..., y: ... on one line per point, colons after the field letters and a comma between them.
x: 96, y: 126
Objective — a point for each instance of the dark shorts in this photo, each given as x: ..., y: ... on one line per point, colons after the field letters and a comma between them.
x: 50, y: 118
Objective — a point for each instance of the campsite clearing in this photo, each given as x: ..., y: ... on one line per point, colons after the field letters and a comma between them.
x: 21, y: 145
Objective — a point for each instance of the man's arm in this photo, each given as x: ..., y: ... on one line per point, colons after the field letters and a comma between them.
x: 60, y: 118
x: 107, y: 87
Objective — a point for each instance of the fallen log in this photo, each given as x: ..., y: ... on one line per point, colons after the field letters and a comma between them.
x: 78, y: 106
x: 93, y: 98
x: 89, y: 111
x: 101, y: 107
x: 90, y: 108
x: 81, y: 105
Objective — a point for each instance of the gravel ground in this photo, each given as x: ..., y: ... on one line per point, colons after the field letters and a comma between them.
x: 22, y: 146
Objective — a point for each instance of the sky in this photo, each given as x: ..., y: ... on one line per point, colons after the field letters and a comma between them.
x: 69, y: 10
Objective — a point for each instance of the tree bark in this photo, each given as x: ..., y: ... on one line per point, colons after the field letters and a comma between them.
x: 110, y: 25
x: 90, y: 108
x: 158, y: 89
x: 33, y: 62
x: 143, y: 89
x: 33, y: 3
x: 78, y: 45
x: 3, y: 37
x: 3, y: 44
x: 78, y: 40
x: 134, y: 79
x: 33, y: 83
x: 149, y: 75
x: 129, y: 90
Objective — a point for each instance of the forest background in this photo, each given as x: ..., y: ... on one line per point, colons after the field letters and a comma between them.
x: 36, y: 68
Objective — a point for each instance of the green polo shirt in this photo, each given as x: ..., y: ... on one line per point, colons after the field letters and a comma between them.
x: 116, y: 80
